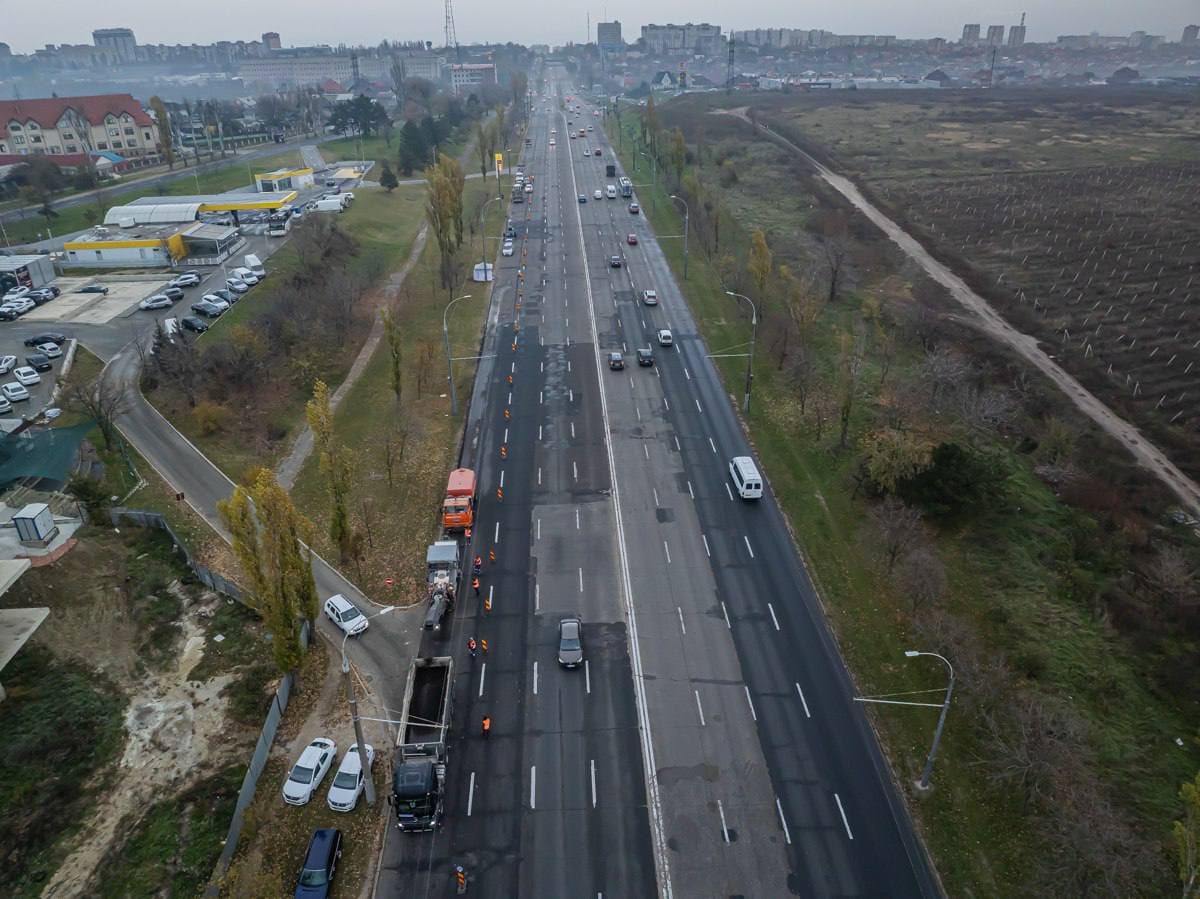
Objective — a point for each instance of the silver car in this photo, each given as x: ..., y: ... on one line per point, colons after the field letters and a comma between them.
x: 570, y: 643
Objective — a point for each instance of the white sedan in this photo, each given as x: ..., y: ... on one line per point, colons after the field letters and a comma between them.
x: 507, y: 249
x: 597, y: 194
x: 50, y: 350
x: 343, y: 613
x: 14, y: 392
x: 158, y: 301
x: 27, y: 375
x: 7, y: 364
x: 348, y: 783
x: 221, y: 303
x: 308, y: 772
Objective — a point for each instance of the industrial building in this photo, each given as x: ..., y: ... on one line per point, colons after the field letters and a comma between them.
x: 466, y: 77
x: 283, y: 180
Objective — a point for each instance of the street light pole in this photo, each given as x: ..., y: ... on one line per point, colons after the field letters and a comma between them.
x: 368, y: 780
x: 753, y: 336
x: 482, y: 222
x: 449, y: 361
x: 686, y: 218
x: 923, y: 783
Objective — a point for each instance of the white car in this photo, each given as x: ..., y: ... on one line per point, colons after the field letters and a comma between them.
x: 237, y: 285
x: 217, y: 301
x: 528, y: 187
x: 20, y: 305
x: 665, y: 338
x: 5, y: 405
x: 507, y: 249
x: 597, y: 194
x: 158, y: 301
x: 14, y: 392
x: 650, y: 296
x: 308, y: 772
x: 15, y: 293
x: 7, y: 364
x: 50, y: 350
x: 27, y: 375
x: 244, y: 274
x: 187, y: 279
x: 552, y: 142
x: 343, y: 613
x: 348, y: 783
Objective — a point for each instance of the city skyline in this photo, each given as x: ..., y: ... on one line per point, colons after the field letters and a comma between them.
x: 1046, y: 20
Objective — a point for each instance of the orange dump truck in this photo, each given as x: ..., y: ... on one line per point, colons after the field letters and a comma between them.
x: 458, y: 507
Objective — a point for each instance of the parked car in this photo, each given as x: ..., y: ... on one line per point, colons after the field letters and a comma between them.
x: 645, y: 356
x: 187, y: 279
x: 21, y: 305
x: 46, y: 337
x: 5, y: 405
x: 631, y: 239
x: 93, y: 288
x: 14, y: 392
x: 7, y: 364
x: 348, y: 783
x: 206, y: 308
x: 570, y: 643
x: 217, y: 300
x: 38, y: 362
x: 227, y: 295
x: 665, y: 337
x: 237, y: 285
x: 15, y: 293
x: 50, y: 350
x: 40, y: 296
x: 345, y: 615
x: 8, y: 314
x: 614, y: 261
x: 244, y: 274
x: 308, y: 772
x: 507, y: 249
x: 26, y: 375
x: 158, y: 301
x: 191, y: 323
x: 634, y: 208
x: 320, y: 864
x: 650, y: 296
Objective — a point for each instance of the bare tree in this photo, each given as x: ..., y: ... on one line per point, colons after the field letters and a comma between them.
x: 835, y: 244
x: 895, y: 526
x: 922, y: 575
x: 103, y: 400
x: 944, y: 369
x: 850, y: 363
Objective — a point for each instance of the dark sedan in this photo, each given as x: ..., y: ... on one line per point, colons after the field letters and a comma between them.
x: 48, y: 337
x: 320, y: 864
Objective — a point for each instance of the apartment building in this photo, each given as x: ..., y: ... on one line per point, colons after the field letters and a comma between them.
x: 702, y: 38
x: 465, y: 77
x: 68, y: 125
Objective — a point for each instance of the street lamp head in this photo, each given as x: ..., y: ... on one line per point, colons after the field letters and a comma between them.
x: 911, y: 653
x: 730, y: 293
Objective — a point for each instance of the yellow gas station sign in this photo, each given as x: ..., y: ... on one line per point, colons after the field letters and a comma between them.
x: 499, y: 163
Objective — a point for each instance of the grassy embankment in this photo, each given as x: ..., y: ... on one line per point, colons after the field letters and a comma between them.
x: 1017, y: 572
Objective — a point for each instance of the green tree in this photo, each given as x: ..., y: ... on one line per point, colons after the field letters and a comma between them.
x: 413, y: 150
x: 956, y: 479
x: 395, y: 345
x: 336, y: 463
x: 482, y: 147
x: 1187, y: 838
x: 443, y: 210
x: 761, y: 262
x: 166, y: 138
x: 269, y: 541
x: 387, y: 178
x: 892, y: 456
x: 677, y: 153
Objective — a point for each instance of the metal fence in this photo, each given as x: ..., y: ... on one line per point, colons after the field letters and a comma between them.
x: 279, y: 702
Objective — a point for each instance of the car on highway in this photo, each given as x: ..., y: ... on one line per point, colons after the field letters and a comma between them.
x: 7, y: 364
x: 348, y: 783
x: 616, y: 361
x: 50, y: 350
x: 571, y: 134
x: 597, y: 194
x: 187, y: 279
x: 631, y: 239
x: 38, y: 361
x: 345, y: 615
x: 650, y: 296
x: 597, y: 151
x: 570, y: 643
x: 583, y: 198
x: 614, y: 261
x: 590, y: 128
x: 192, y: 323
x: 552, y: 142
x: 308, y: 772
x: 665, y: 338
x: 26, y: 375
x: 14, y: 392
x: 320, y: 864
x: 46, y: 337
x: 634, y: 209
x: 507, y: 249
x: 158, y: 301
x: 93, y: 288
x: 207, y: 309
x: 645, y: 356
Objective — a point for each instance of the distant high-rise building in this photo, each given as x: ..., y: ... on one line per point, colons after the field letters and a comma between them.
x: 120, y: 42
x: 1191, y: 35
x: 1016, y: 36
x: 270, y: 40
x: 995, y: 35
x: 703, y: 38
x: 970, y: 34
x: 608, y: 36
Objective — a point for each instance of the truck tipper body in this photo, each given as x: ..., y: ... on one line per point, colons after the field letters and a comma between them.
x: 443, y: 573
x: 458, y: 506
x: 419, y: 771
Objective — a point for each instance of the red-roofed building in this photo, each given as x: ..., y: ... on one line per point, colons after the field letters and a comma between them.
x: 68, y: 125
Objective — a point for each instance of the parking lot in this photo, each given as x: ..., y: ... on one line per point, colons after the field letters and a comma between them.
x: 125, y: 291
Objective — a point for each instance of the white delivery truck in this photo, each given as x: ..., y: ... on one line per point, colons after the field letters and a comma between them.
x: 255, y: 265
x: 331, y: 204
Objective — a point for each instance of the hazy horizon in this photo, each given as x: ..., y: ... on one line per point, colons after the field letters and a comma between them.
x: 528, y: 22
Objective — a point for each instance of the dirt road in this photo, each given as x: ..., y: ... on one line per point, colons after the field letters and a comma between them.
x: 992, y: 324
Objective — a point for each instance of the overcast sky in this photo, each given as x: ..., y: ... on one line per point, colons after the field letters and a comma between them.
x: 536, y: 21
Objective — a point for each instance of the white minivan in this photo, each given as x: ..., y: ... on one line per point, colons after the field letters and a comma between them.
x: 746, y: 478
x: 255, y: 265
x: 611, y: 191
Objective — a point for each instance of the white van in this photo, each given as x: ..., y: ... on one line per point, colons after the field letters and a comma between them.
x: 611, y: 191
x: 330, y: 204
x: 746, y: 478
x: 255, y: 265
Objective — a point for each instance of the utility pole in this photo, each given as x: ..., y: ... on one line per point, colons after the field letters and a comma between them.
x: 750, y: 360
x: 449, y: 359
x: 368, y: 780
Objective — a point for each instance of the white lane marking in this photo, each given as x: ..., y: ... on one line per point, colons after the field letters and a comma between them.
x: 568, y: 366
x: 576, y: 519
x: 625, y: 349
x: 496, y: 535
x: 650, y: 768
x: 535, y: 678
x: 782, y: 820
x: 667, y: 550
x: 667, y: 403
x: 655, y: 491
x: 537, y: 597
x: 639, y: 413
x: 575, y: 470
x: 682, y: 626
x: 587, y: 675
x: 730, y: 492
x: 699, y: 408
x: 541, y: 397
x: 724, y: 829
x: 771, y: 609
x: 482, y: 677
x: 699, y: 708
x: 541, y: 367
x: 843, y: 811
x: 678, y: 448
x: 691, y: 493
x: 593, y: 783
x: 643, y: 324
x: 505, y: 440
x: 753, y: 714
x: 706, y: 550
x: 571, y: 395
x: 686, y: 373
x: 646, y: 452
x: 580, y: 580
x: 803, y: 702
x: 713, y: 445
x: 572, y: 430
x: 539, y: 433
x: 513, y: 369
x: 748, y: 546
x: 533, y: 786
x: 471, y: 794
x: 491, y: 587
x: 539, y: 476
x: 510, y: 397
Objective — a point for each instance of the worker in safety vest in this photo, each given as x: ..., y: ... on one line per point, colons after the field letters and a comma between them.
x: 475, y: 584
x: 478, y: 564
x: 487, y: 725
x: 473, y: 646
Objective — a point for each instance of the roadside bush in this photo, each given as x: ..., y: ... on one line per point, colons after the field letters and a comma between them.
x: 957, y: 478
x: 210, y: 417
